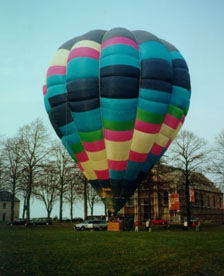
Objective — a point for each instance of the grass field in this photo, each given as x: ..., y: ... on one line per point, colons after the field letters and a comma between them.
x: 59, y: 250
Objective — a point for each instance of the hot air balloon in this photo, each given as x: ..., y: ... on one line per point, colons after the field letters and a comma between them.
x: 117, y: 99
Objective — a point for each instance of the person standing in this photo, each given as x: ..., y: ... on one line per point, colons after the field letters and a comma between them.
x: 136, y: 225
x: 198, y: 224
x: 148, y: 225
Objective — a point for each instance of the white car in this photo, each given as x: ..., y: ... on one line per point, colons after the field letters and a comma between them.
x: 91, y: 225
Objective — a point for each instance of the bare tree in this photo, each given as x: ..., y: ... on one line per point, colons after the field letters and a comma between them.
x: 47, y: 191
x: 63, y: 166
x: 34, y: 140
x: 73, y: 192
x: 11, y: 168
x: 188, y: 154
x: 218, y: 161
x: 92, y: 197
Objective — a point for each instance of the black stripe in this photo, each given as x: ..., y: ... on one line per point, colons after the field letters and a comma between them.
x: 156, y: 85
x: 58, y: 100
x: 120, y: 70
x: 155, y: 68
x: 85, y: 105
x: 82, y: 89
x: 61, y: 115
x: 118, y: 87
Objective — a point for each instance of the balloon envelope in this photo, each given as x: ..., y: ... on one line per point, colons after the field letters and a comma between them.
x: 117, y: 99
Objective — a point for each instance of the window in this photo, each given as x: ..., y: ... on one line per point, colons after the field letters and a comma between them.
x: 165, y: 198
x: 4, y: 205
x: 213, y: 201
x: 220, y: 202
x: 130, y: 202
x: 202, y: 200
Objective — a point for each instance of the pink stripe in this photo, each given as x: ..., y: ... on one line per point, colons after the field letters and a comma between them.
x: 147, y: 127
x: 56, y: 70
x: 171, y: 121
x: 84, y: 52
x: 82, y: 156
x: 157, y: 149
x: 94, y: 146
x: 80, y: 166
x: 117, y: 165
x: 183, y: 119
x: 168, y: 144
x: 102, y: 174
x: 44, y: 89
x: 137, y: 157
x: 118, y: 136
x: 120, y: 40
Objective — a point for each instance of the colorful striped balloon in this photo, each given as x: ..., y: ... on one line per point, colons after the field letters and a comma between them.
x: 117, y: 99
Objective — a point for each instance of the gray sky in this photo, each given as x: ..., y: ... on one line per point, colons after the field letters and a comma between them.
x: 32, y: 30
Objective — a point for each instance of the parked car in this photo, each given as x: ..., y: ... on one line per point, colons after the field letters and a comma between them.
x: 18, y: 221
x: 158, y: 221
x: 40, y: 221
x: 91, y: 225
x: 77, y: 219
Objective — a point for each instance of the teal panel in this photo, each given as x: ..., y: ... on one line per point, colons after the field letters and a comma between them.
x: 153, y: 49
x: 76, y: 68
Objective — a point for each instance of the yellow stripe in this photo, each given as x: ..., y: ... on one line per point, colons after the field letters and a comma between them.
x: 142, y: 142
x: 97, y: 156
x: 169, y: 131
x: 88, y: 170
x: 60, y: 58
x: 87, y: 43
x: 98, y: 159
x: 100, y: 165
x: 162, y: 140
x: 118, y: 151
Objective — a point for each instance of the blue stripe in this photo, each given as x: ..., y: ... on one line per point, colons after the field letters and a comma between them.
x: 120, y: 49
x: 119, y: 59
x: 154, y: 95
x: 71, y: 139
x: 82, y: 68
x: 180, y: 97
x: 133, y: 170
x: 116, y: 174
x: 56, y: 90
x: 47, y: 104
x: 88, y: 120
x: 70, y: 151
x: 118, y: 110
x: 176, y: 55
x: 55, y: 79
x: 153, y: 49
x: 153, y: 107
x: 119, y: 54
x: 68, y: 129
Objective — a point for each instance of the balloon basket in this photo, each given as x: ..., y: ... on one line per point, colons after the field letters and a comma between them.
x: 114, y: 226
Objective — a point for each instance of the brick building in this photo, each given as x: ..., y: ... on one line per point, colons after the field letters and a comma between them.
x: 163, y: 194
x: 5, y: 206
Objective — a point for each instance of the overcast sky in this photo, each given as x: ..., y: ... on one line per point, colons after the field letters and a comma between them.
x: 32, y: 30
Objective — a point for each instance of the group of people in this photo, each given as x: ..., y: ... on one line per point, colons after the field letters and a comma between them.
x: 148, y: 228
x: 195, y: 224
x: 147, y: 225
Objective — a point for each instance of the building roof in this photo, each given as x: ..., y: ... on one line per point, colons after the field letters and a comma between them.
x: 7, y: 196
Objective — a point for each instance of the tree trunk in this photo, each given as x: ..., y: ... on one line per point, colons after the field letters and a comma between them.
x: 71, y: 210
x: 187, y: 194
x: 61, y: 206
x: 85, y: 200
x: 13, y: 201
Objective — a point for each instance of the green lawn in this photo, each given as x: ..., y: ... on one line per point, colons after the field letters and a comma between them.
x: 59, y: 250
